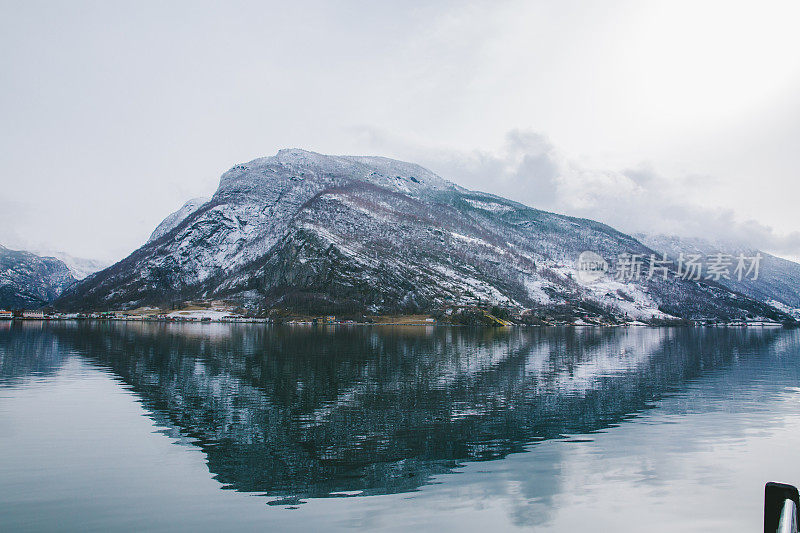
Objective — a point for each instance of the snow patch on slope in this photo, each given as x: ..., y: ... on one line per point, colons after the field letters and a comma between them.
x: 494, y: 207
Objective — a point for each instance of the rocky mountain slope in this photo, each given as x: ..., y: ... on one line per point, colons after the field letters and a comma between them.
x: 317, y: 233
x: 28, y: 281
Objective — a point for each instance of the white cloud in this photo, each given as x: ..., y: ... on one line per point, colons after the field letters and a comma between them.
x: 528, y: 168
x: 113, y: 115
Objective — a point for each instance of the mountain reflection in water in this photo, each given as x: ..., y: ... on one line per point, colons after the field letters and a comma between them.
x: 297, y: 413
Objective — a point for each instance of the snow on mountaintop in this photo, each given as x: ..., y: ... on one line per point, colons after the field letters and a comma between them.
x: 303, y: 165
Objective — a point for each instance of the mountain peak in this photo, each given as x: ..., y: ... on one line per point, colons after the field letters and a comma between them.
x: 293, y: 166
x: 176, y: 218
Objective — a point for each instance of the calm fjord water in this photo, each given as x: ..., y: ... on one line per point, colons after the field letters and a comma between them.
x: 132, y: 426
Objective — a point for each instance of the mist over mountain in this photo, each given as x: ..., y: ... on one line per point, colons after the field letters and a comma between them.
x: 317, y: 233
x: 79, y: 267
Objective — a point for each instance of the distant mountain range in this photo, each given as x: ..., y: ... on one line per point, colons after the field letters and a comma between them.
x: 778, y: 281
x: 79, y: 267
x: 314, y: 233
x: 31, y: 280
x: 28, y: 281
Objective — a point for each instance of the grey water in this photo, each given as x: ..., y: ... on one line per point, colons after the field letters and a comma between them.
x: 121, y: 426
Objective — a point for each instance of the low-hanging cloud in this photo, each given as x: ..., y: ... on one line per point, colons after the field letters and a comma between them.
x: 530, y: 169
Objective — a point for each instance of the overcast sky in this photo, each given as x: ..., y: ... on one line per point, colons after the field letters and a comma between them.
x: 661, y: 116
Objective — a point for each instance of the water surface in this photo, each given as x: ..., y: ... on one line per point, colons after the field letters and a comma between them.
x: 124, y: 426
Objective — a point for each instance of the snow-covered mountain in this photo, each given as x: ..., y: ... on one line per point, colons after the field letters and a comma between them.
x: 778, y: 280
x: 79, y: 267
x: 28, y: 281
x: 311, y: 232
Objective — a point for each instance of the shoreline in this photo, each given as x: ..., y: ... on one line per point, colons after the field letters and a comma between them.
x: 305, y: 323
